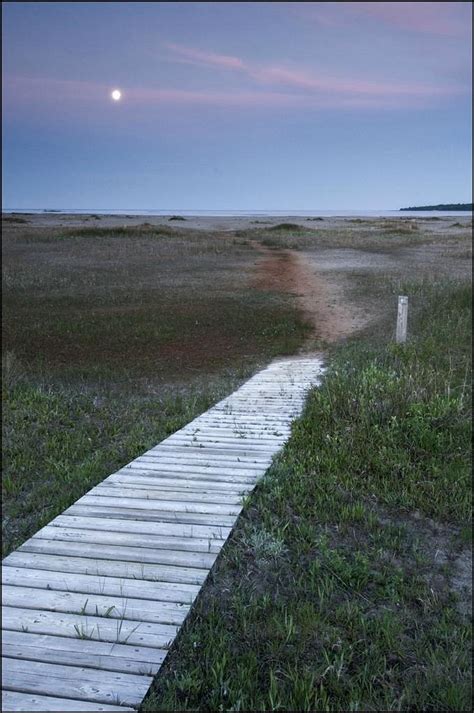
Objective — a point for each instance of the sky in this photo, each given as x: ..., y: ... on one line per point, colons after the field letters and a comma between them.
x: 236, y: 106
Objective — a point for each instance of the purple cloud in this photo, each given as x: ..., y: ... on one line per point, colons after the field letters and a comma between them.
x: 191, y: 55
x: 449, y: 19
x: 304, y: 79
x: 78, y: 98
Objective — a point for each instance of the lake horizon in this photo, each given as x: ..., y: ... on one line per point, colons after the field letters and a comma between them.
x: 344, y: 213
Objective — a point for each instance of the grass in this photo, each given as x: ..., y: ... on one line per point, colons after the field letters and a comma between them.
x: 118, y: 231
x: 383, y: 236
x: 13, y: 219
x: 61, y: 439
x: 399, y: 227
x: 113, y: 339
x: 342, y: 586
x: 280, y: 244
x: 285, y: 226
x: 127, y: 302
x: 367, y: 236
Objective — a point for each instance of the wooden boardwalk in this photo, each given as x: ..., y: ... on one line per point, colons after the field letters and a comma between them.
x: 93, y: 601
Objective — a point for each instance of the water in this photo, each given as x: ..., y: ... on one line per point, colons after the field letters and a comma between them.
x: 244, y: 213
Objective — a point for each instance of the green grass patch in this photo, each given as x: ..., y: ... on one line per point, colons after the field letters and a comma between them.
x: 61, y: 439
x: 399, y: 227
x: 13, y: 219
x: 285, y: 226
x: 280, y: 244
x: 146, y: 229
x: 342, y: 586
x: 149, y: 333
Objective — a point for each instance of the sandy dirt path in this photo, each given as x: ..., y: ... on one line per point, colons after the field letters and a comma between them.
x: 320, y: 297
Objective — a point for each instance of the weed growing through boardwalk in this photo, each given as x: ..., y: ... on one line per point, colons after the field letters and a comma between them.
x: 83, y: 632
x: 343, y: 585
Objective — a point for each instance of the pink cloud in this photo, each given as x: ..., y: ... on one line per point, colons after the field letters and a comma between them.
x: 42, y: 91
x: 52, y: 97
x: 299, y: 78
x: 303, y: 79
x: 437, y: 18
x: 195, y: 56
x: 267, y: 99
x: 450, y: 19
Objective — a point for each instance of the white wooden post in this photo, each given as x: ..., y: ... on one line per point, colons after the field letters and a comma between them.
x: 402, y: 317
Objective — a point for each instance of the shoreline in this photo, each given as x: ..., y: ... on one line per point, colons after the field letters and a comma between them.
x: 220, y: 223
x: 184, y: 213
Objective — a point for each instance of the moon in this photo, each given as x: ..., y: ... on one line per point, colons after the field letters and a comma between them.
x: 116, y: 95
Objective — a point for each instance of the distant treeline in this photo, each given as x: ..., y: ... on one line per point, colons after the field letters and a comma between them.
x: 441, y: 206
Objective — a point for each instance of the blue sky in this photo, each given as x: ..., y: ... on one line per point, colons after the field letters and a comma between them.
x: 271, y: 106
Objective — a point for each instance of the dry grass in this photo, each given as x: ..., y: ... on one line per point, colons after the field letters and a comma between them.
x: 152, y: 301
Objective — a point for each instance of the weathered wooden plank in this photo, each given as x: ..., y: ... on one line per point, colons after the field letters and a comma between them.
x: 188, y: 488
x: 31, y: 702
x: 179, y: 558
x: 262, y: 435
x: 171, y: 529
x: 228, y: 419
x: 250, y: 410
x: 102, y: 585
x: 151, y: 504
x: 206, y: 468
x: 202, y: 460
x: 82, y: 652
x: 235, y: 430
x: 241, y: 452
x: 95, y: 605
x: 272, y: 407
x: 258, y: 458
x: 212, y: 474
x: 76, y: 626
x: 237, y: 482
x: 262, y: 386
x: 73, y: 681
x: 256, y: 391
x: 250, y: 421
x: 128, y: 539
x: 106, y: 568
x: 185, y: 472
x: 259, y: 419
x: 110, y: 490
x: 252, y: 455
x: 123, y: 513
x: 275, y: 404
x: 287, y: 399
x: 270, y: 386
x: 242, y: 408
x: 238, y: 409
x: 201, y: 483
x: 259, y: 444
x: 196, y: 468
x: 238, y: 446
